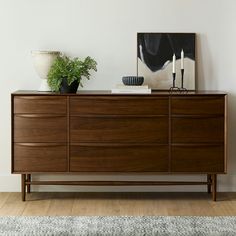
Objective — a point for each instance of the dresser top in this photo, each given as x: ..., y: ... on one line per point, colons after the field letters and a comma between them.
x: 108, y: 92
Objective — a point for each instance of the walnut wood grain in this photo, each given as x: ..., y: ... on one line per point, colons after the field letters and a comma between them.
x: 40, y: 104
x: 40, y: 157
x: 197, y: 158
x: 126, y: 105
x: 95, y: 93
x: 214, y: 186
x: 197, y: 105
x: 99, y: 132
x: 23, y: 187
x: 28, y: 179
x: 119, y: 158
x: 197, y: 129
x: 117, y: 183
x: 209, y: 185
x: 118, y: 129
x: 40, y: 128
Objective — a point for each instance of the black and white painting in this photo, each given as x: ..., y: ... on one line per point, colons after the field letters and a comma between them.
x: 161, y: 54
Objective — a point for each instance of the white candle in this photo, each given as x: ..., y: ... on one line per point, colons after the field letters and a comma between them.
x: 182, y: 59
x: 174, y: 59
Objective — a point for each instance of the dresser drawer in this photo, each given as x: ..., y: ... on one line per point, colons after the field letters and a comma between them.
x: 40, y: 104
x: 198, y: 159
x: 118, y: 129
x: 40, y: 157
x: 119, y: 105
x: 40, y: 128
x: 198, y: 105
x: 200, y: 130
x: 110, y: 158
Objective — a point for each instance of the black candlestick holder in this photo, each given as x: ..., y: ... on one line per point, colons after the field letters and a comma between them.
x: 174, y: 88
x: 182, y: 80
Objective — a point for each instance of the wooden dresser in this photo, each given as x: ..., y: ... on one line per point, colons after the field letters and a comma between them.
x: 99, y: 132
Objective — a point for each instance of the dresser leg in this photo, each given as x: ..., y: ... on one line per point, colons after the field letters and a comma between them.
x: 23, y: 186
x: 209, y: 181
x: 214, y: 187
x: 28, y: 185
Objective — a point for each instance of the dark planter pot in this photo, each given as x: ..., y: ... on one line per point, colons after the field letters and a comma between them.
x: 65, y: 88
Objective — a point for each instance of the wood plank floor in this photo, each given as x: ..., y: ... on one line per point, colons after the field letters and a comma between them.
x: 102, y: 204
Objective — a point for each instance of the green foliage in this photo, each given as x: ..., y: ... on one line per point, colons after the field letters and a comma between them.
x: 72, y: 69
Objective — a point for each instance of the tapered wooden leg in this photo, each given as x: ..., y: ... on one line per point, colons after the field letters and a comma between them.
x: 214, y: 187
x: 28, y: 185
x: 209, y: 181
x: 23, y: 186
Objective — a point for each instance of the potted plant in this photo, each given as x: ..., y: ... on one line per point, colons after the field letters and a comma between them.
x: 66, y: 73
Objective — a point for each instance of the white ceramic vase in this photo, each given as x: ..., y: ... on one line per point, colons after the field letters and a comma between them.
x: 42, y: 61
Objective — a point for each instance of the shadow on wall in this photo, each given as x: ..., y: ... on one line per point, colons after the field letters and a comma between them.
x: 203, y: 57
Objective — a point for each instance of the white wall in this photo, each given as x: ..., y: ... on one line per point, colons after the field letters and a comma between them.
x: 106, y: 30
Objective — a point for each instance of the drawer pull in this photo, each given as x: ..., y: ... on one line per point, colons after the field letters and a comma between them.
x: 38, y: 115
x: 40, y: 144
x: 119, y: 145
x: 117, y: 98
x: 39, y: 98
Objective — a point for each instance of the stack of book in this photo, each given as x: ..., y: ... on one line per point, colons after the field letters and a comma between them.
x: 135, y: 89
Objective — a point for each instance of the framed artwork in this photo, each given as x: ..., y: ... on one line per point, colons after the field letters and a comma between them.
x: 161, y: 54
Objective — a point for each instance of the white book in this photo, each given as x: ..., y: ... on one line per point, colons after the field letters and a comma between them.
x: 131, y: 91
x: 121, y: 86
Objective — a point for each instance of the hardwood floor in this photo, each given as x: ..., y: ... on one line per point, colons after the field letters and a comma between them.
x: 91, y: 204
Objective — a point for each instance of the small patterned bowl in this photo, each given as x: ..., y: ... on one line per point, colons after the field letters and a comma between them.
x: 132, y: 80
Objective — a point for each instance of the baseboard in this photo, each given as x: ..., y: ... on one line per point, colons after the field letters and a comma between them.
x: 12, y: 183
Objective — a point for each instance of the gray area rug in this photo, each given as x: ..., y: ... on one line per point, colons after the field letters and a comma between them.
x: 130, y: 225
